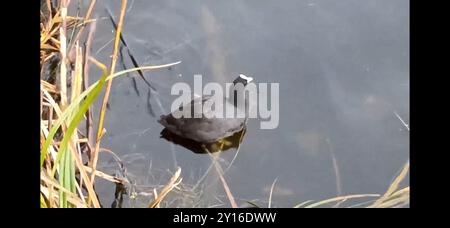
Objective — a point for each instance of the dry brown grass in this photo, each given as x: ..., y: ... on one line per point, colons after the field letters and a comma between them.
x: 69, y: 155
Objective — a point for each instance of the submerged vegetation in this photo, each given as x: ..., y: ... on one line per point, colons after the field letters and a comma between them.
x: 71, y: 138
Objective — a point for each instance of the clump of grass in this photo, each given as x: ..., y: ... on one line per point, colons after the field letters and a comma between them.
x: 67, y: 154
x: 393, y: 197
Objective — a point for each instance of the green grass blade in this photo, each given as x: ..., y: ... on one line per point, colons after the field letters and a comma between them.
x: 77, y: 118
x: 67, y: 174
x: 43, y: 203
x: 75, y: 104
x: 61, y: 179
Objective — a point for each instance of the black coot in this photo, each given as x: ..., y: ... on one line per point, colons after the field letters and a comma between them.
x: 208, y: 130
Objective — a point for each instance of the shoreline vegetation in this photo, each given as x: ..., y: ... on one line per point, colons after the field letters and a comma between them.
x: 71, y: 138
x: 69, y: 155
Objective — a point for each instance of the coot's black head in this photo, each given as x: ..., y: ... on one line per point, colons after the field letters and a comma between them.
x: 237, y: 91
x: 242, y: 79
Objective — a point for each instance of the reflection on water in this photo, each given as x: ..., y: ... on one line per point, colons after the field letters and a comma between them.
x: 227, y: 143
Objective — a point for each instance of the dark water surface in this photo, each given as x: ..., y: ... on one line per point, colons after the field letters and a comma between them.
x: 343, y: 69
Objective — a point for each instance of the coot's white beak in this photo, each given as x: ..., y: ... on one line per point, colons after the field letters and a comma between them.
x: 248, y: 79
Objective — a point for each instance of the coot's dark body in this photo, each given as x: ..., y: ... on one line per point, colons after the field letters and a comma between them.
x: 205, y: 130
